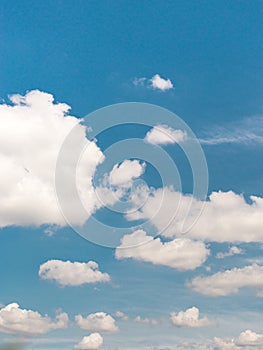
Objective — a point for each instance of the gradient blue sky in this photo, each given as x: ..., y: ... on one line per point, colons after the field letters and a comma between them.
x: 87, y: 54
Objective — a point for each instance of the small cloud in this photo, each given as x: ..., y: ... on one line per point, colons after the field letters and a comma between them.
x: 163, y: 135
x: 92, y: 342
x: 146, y: 320
x: 232, y: 251
x: 155, y: 83
x: 160, y: 83
x: 121, y: 315
x: 100, y: 322
x: 189, y: 318
x: 68, y: 273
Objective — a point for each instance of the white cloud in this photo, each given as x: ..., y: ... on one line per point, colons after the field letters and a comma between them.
x: 247, y: 131
x: 163, y: 135
x: 181, y: 254
x: 32, y: 132
x: 234, y: 250
x: 125, y: 172
x: 226, y: 216
x: 68, y: 273
x: 189, y: 318
x: 249, y: 338
x: 121, y: 315
x: 160, y: 83
x: 229, y: 281
x: 92, y: 342
x: 246, y: 339
x: 156, y: 83
x: 15, y: 320
x: 152, y: 321
x: 98, y: 321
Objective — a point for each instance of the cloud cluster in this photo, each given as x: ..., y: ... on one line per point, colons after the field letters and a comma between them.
x: 32, y: 132
x: 68, y: 273
x: 181, y: 254
x: 229, y: 281
x: 163, y: 135
x: 92, y: 342
x: 125, y: 172
x: 14, y: 320
x: 189, y: 318
x: 234, y: 250
x: 246, y: 339
x: 146, y: 320
x: 99, y: 322
x: 224, y: 217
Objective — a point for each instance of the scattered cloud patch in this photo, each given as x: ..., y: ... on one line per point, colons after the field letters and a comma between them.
x: 14, y: 320
x: 230, y: 281
x: 67, y: 273
x: 234, y: 250
x: 247, y: 131
x: 92, y: 342
x: 121, y: 315
x: 99, y: 322
x: 246, y: 339
x: 146, y: 320
x: 189, y: 318
x: 181, y: 254
x: 163, y: 135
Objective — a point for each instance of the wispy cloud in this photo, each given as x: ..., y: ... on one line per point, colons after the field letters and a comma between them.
x: 247, y: 131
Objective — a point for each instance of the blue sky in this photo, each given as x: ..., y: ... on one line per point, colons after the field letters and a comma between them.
x: 201, y: 61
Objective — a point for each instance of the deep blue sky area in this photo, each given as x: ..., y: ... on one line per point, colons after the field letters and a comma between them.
x: 88, y: 54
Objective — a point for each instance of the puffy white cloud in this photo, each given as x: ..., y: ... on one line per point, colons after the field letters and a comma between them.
x: 249, y: 338
x: 68, y: 273
x: 159, y: 83
x: 152, y: 321
x: 99, y: 321
x: 15, y: 320
x: 181, y: 254
x: 234, y: 250
x: 156, y: 83
x: 229, y: 281
x: 125, y: 172
x: 224, y: 217
x: 92, y: 342
x: 32, y: 132
x: 189, y: 318
x: 246, y: 339
x: 163, y: 135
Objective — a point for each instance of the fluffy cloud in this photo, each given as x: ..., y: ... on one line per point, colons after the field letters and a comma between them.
x: 160, y: 83
x: 224, y: 217
x: 32, y: 131
x: 125, y: 172
x: 92, y: 342
x: 181, y: 254
x: 249, y: 338
x: 232, y: 251
x: 163, y: 135
x: 230, y: 281
x: 246, y: 339
x: 189, y: 318
x: 15, y: 320
x: 68, y: 273
x: 156, y: 83
x: 99, y: 321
